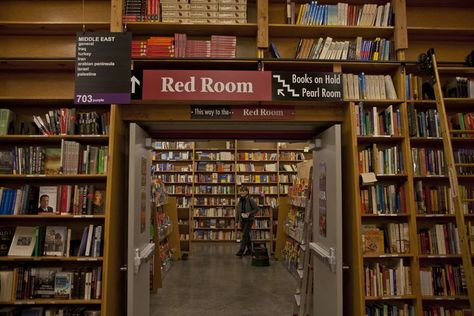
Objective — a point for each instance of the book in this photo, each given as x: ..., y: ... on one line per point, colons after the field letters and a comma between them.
x: 372, y: 240
x: 7, y: 286
x: 6, y: 162
x: 52, y: 161
x: 7, y: 118
x: 6, y: 236
x: 63, y: 284
x: 23, y: 242
x: 55, y: 241
x: 98, y: 204
x: 47, y: 201
x: 45, y: 282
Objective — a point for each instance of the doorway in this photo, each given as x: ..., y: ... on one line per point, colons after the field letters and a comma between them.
x: 229, y: 142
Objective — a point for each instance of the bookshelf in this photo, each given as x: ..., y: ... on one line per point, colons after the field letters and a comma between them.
x: 41, y: 77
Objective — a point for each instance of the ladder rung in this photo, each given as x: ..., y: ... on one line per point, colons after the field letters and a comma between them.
x: 462, y: 131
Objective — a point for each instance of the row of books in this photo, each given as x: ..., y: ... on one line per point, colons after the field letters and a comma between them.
x: 260, y: 223
x: 388, y: 280
x: 141, y: 11
x: 423, y: 123
x: 467, y: 192
x: 313, y: 13
x: 384, y: 309
x: 215, y: 223
x: 284, y: 188
x: 445, y: 311
x: 219, y: 166
x: 392, y: 238
x: 170, y: 167
x: 286, y: 178
x: 60, y: 199
x: 263, y: 156
x: 245, y: 167
x: 160, y: 145
x: 214, y: 189
x: 178, y: 189
x: 179, y: 46
x: 51, y: 282
x: 373, y: 122
x: 267, y: 189
x: 379, y: 49
x: 66, y: 121
x: 441, y: 239
x: 183, y: 202
x: 459, y: 87
x: 71, y: 158
x: 256, y: 235
x: 171, y: 155
x: 261, y: 178
x: 443, y: 280
x: 213, y: 178
x: 50, y: 241
x: 431, y: 199
x: 292, y: 155
x: 223, y: 155
x: 214, y: 201
x: 177, y: 178
x: 390, y: 161
x: 428, y: 162
x: 418, y: 88
x: 288, y: 167
x: 368, y: 87
x: 461, y: 121
x: 48, y: 311
x: 383, y: 199
x: 213, y: 212
x: 213, y: 235
x: 464, y: 156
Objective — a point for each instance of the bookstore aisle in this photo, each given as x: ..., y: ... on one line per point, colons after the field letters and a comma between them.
x: 213, y: 281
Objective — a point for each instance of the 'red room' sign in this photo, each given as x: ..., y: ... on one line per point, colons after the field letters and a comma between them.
x: 207, y: 85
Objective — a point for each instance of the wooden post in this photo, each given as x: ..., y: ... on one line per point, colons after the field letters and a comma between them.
x: 172, y: 211
x: 400, y: 33
x: 262, y: 25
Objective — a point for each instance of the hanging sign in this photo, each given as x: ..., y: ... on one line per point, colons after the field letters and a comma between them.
x: 307, y: 86
x: 103, y: 62
x: 243, y: 112
x: 221, y: 85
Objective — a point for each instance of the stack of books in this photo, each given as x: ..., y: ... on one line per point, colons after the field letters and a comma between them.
x: 141, y: 11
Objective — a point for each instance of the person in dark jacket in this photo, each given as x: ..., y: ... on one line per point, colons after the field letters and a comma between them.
x: 246, y: 210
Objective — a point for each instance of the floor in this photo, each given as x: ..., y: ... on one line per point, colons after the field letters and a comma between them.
x: 213, y: 281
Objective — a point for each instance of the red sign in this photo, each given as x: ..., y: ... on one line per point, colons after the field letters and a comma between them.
x: 207, y: 85
x: 263, y: 112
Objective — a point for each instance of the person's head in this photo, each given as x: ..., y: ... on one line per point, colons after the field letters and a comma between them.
x: 244, y: 191
x: 44, y: 201
x: 98, y: 196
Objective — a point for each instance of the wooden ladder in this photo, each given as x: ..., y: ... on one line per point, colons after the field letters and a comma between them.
x: 429, y: 64
x: 303, y: 297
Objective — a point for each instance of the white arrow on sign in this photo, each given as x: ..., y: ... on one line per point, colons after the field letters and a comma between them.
x: 280, y: 92
x: 134, y: 81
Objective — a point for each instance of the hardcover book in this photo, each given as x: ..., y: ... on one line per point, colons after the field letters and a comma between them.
x: 6, y: 236
x: 23, y: 242
x: 55, y: 240
x: 47, y: 199
x: 6, y: 162
x: 62, y: 284
x: 52, y: 161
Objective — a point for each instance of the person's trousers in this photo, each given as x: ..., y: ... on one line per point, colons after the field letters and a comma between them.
x: 246, y: 240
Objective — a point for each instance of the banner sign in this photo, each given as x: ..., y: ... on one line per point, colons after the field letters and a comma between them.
x: 243, y: 112
x: 227, y: 85
x: 102, y: 68
x: 221, y: 85
x: 307, y: 86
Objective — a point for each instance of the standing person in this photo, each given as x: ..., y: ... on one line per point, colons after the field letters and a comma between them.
x: 246, y: 210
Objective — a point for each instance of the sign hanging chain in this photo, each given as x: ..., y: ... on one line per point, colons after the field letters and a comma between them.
x: 83, y: 16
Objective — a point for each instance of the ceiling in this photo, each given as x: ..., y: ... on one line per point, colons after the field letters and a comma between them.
x: 201, y: 130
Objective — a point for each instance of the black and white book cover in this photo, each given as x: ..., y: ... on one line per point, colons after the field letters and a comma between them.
x: 55, y: 240
x: 45, y: 279
x: 23, y: 242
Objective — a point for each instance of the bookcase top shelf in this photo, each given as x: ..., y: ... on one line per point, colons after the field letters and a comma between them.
x: 46, y: 258
x: 53, y: 302
x: 162, y: 28
x: 52, y: 216
x: 339, y: 31
x: 53, y: 138
x: 48, y: 27
x: 440, y: 33
x: 80, y: 177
